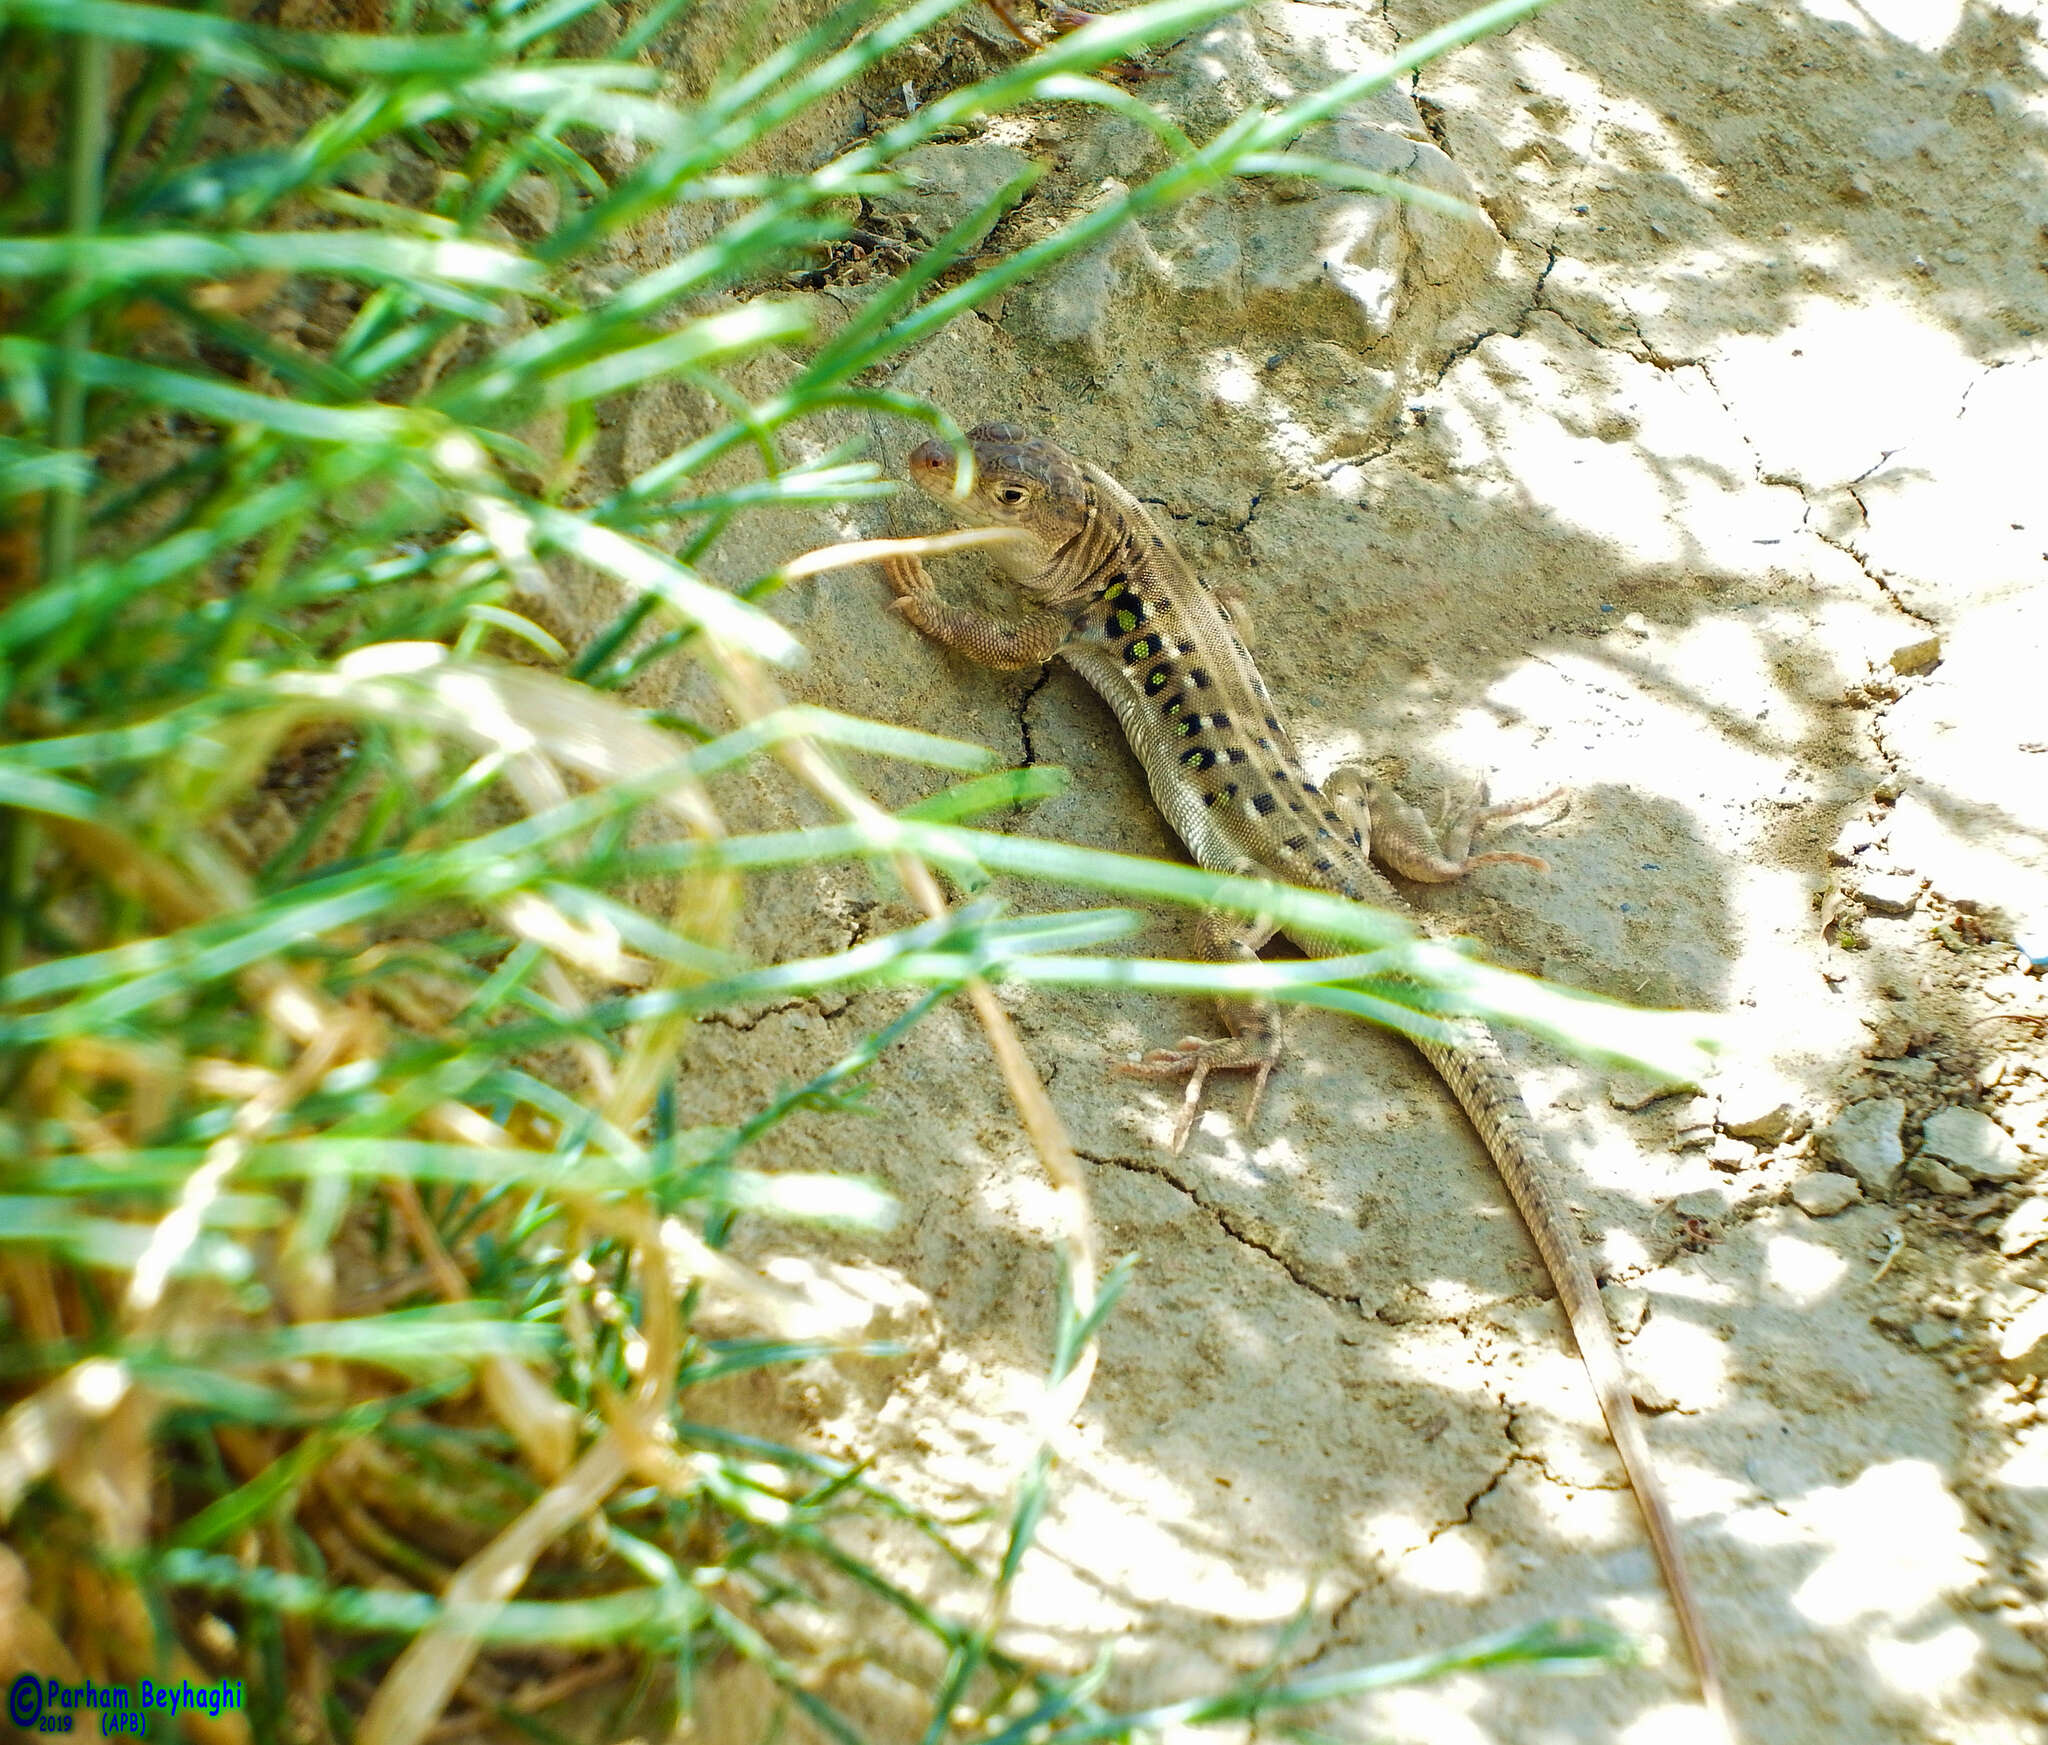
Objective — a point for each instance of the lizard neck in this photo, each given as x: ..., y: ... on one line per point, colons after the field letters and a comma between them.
x: 1117, y: 542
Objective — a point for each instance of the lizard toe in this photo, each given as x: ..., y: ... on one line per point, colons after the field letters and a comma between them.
x: 1194, y: 1059
x: 1185, y: 1056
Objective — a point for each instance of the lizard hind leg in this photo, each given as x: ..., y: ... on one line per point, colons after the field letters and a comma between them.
x: 1405, y: 842
x: 1253, y: 1044
x: 1198, y: 1058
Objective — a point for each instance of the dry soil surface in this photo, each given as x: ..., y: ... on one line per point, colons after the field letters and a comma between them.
x: 1704, y: 479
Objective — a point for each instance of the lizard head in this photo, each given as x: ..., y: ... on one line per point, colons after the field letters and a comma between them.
x: 1020, y: 480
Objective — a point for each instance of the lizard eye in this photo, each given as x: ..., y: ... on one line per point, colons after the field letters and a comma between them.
x: 1010, y: 494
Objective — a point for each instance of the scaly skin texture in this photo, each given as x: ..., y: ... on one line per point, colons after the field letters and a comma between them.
x: 1112, y: 597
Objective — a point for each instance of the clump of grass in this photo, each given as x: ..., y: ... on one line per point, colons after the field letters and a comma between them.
x: 352, y: 1253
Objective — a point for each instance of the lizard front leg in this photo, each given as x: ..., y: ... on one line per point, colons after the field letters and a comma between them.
x: 1254, y: 1042
x: 996, y: 642
x: 1397, y: 835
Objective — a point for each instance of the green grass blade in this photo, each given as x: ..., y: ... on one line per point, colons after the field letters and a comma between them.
x: 718, y: 614
x: 119, y: 261
x: 247, y: 51
x: 1017, y: 787
x: 380, y: 426
x: 841, y: 356
x: 1351, y: 176
x: 40, y: 793
x: 731, y: 334
x: 805, y: 720
x: 27, y: 469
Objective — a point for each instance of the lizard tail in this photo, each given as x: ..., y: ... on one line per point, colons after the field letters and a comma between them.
x: 1482, y: 1081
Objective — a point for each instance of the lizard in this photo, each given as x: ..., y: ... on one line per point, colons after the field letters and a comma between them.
x: 1111, y: 595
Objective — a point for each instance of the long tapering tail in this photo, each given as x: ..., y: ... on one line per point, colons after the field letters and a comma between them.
x: 1481, y: 1079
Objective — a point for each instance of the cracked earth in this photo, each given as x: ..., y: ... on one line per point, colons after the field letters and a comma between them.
x: 1704, y: 479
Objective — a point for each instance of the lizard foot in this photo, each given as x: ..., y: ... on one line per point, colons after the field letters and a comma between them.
x: 1466, y: 825
x: 916, y: 598
x: 907, y: 577
x: 1405, y: 842
x: 1195, y: 1059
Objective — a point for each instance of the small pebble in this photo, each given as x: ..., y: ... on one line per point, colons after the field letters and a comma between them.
x: 1730, y: 1154
x: 1653, y: 1399
x: 1864, y: 1140
x: 2025, y: 1227
x: 1938, y: 1178
x: 1632, y: 1093
x: 1696, y: 1125
x: 1973, y: 1143
x: 1824, y: 1193
x: 1851, y: 840
x: 1918, y: 656
x: 1770, y: 1126
x: 1888, y: 893
x: 2023, y: 1347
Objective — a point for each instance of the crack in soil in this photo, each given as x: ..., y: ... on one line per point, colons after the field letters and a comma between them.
x: 1874, y: 576
x: 1224, y: 1222
x: 1516, y: 1455
x: 1024, y: 713
x: 1465, y: 348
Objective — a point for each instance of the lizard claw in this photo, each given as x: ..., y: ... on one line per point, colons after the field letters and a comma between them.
x: 1260, y: 1075
x: 1167, y: 1062
x: 1197, y: 1058
x: 1190, y: 1107
x: 906, y: 575
x: 1481, y: 814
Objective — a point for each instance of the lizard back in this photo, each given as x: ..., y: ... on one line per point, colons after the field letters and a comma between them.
x: 1167, y: 656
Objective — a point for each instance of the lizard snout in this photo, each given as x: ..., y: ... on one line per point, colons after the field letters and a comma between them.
x: 931, y: 466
